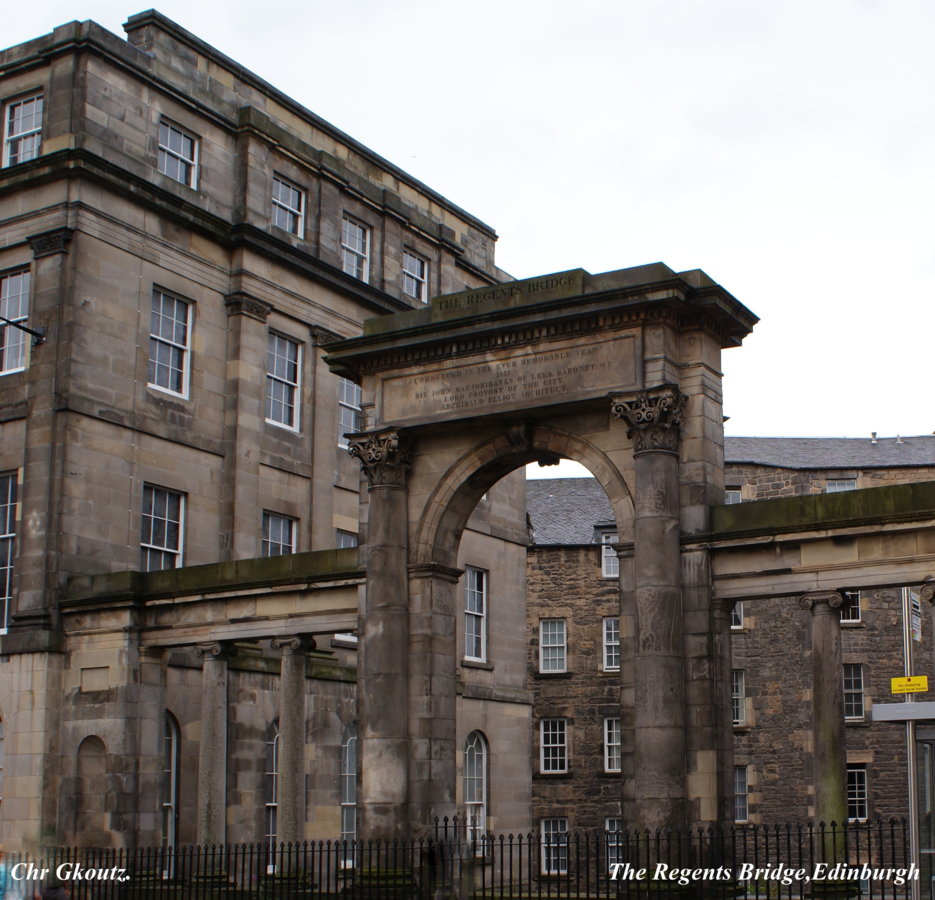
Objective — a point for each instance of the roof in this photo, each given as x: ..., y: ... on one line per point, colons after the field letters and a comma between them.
x: 566, y: 510
x: 831, y: 453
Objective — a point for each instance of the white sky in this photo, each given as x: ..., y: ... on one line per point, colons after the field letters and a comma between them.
x: 785, y: 148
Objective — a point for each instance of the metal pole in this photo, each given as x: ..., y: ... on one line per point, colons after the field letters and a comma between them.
x: 915, y: 855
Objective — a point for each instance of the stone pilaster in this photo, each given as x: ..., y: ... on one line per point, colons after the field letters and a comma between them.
x: 828, y: 751
x: 212, y: 755
x: 383, y: 657
x: 291, y: 815
x: 654, y: 419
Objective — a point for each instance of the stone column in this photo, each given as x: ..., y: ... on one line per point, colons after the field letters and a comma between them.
x: 212, y: 752
x: 828, y: 749
x: 291, y: 816
x: 383, y: 656
x: 654, y: 418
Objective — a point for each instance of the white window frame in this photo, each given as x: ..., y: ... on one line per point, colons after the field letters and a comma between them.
x: 839, y: 485
x: 853, y: 687
x: 554, y: 837
x: 349, y: 794
x: 736, y: 615
x: 9, y: 483
x: 169, y: 548
x: 170, y: 786
x: 738, y: 696
x: 613, y: 751
x: 474, y: 786
x: 732, y: 495
x: 610, y: 563
x: 741, y: 796
x: 271, y: 794
x: 172, y: 161
x: 858, y: 794
x: 283, y: 381
x: 288, y: 206
x: 345, y: 539
x: 553, y: 645
x: 355, y: 249
x: 178, y: 346
x: 15, y: 286
x: 278, y: 534
x: 610, y: 631
x: 476, y: 605
x: 415, y: 276
x: 553, y: 746
x: 348, y: 409
x: 613, y: 825
x: 850, y: 608
x: 26, y: 144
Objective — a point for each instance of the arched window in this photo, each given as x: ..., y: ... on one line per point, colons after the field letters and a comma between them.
x: 475, y: 785
x: 272, y: 785
x: 349, y: 788
x: 170, y: 781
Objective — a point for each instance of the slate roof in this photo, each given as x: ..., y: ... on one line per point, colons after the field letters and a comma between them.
x: 831, y: 453
x: 565, y: 510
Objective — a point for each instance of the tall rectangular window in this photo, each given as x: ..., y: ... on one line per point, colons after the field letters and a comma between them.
x: 355, y: 249
x: 736, y: 615
x: 611, y: 644
x: 857, y: 794
x: 850, y: 608
x: 278, y: 534
x: 554, y: 846
x: 288, y: 206
x: 553, y: 746
x: 169, y: 336
x: 738, y: 696
x: 853, y: 691
x: 282, y: 381
x: 348, y: 409
x: 741, y: 810
x: 475, y: 614
x: 178, y: 154
x: 14, y: 308
x: 22, y: 130
x: 612, y: 754
x: 610, y: 564
x: 552, y: 645
x: 162, y: 525
x: 7, y: 544
x: 612, y: 828
x: 415, y: 277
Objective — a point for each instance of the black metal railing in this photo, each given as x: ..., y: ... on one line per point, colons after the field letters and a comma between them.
x: 867, y: 860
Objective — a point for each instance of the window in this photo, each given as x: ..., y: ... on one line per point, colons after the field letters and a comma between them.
x: 611, y: 644
x: 836, y: 485
x: 278, y: 534
x: 612, y: 828
x: 741, y: 810
x: 475, y: 614
x: 178, y: 154
x: 288, y: 206
x: 161, y: 536
x: 349, y: 791
x: 169, y: 336
x: 282, y: 381
x: 554, y: 846
x: 738, y: 696
x: 348, y: 409
x: 611, y: 745
x: 857, y: 792
x: 345, y: 539
x: 610, y: 564
x: 475, y: 786
x: 22, y: 130
x: 271, y: 793
x: 7, y: 545
x: 853, y: 691
x: 736, y: 614
x: 731, y: 496
x: 14, y: 308
x: 170, y: 784
x: 850, y: 608
x: 553, y: 752
x: 552, y: 645
x: 355, y: 249
x: 415, y: 277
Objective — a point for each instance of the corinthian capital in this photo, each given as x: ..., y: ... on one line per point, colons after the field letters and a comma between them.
x: 384, y: 455
x: 654, y: 418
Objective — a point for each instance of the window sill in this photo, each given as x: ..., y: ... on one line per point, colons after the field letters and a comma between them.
x: 477, y: 664
x: 554, y: 776
x: 856, y: 723
x: 548, y: 675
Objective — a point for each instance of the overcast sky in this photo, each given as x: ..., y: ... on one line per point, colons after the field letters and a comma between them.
x: 784, y: 148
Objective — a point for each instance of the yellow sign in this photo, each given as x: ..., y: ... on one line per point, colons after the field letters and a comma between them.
x: 912, y: 684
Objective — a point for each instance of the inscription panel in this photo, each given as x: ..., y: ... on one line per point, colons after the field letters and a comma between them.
x: 511, y: 380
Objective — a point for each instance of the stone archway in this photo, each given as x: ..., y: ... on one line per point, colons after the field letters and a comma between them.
x: 620, y: 371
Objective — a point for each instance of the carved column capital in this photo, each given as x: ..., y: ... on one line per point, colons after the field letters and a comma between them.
x: 927, y: 592
x: 241, y: 304
x: 50, y: 242
x: 384, y: 455
x: 293, y: 644
x: 654, y: 418
x: 819, y: 601
x: 215, y: 650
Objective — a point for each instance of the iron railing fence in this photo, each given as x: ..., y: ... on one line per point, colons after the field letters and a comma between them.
x: 866, y: 860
